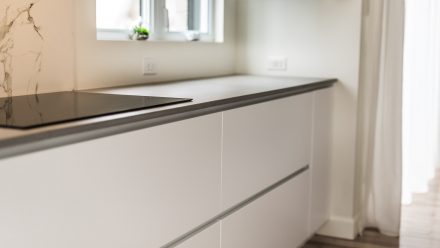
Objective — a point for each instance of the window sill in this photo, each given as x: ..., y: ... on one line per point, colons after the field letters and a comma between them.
x: 122, y: 35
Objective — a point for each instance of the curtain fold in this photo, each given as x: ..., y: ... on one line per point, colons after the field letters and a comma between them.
x: 380, y: 115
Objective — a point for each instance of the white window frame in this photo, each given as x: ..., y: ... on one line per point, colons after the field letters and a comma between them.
x: 159, y: 25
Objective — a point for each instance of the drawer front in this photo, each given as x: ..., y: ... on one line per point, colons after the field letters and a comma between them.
x: 264, y: 143
x: 138, y: 189
x: 278, y: 219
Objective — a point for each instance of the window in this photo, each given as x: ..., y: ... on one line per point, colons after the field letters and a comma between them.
x: 170, y: 20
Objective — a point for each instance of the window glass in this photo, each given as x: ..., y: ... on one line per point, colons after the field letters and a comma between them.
x: 188, y: 15
x: 204, y: 16
x: 145, y: 13
x: 117, y: 14
x: 177, y: 15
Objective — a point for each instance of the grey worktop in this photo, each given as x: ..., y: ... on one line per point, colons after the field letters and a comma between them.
x: 210, y: 96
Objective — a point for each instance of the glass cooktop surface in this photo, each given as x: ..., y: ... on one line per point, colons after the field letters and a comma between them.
x: 30, y: 111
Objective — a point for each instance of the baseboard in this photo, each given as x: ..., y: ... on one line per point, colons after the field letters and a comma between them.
x: 340, y: 227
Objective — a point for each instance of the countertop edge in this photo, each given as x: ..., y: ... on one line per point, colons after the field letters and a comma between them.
x: 59, y: 137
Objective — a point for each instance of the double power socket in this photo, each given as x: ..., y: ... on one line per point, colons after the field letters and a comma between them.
x: 277, y: 63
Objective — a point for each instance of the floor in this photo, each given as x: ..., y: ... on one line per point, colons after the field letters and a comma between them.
x: 421, y: 219
x: 420, y: 226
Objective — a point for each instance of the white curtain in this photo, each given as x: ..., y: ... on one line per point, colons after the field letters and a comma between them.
x: 421, y: 96
x: 380, y: 115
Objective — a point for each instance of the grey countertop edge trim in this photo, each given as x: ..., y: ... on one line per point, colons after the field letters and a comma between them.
x: 64, y: 136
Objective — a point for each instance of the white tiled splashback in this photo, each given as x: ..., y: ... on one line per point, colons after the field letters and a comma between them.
x: 67, y: 55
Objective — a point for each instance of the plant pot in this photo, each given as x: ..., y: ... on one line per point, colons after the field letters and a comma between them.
x: 140, y: 37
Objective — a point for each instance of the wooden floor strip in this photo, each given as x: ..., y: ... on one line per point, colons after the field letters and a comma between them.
x: 370, y: 239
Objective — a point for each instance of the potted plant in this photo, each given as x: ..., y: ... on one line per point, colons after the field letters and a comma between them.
x: 140, y: 33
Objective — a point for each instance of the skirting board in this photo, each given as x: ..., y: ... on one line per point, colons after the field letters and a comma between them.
x: 340, y: 227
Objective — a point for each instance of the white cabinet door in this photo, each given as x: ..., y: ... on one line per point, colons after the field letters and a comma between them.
x: 320, y: 167
x: 209, y: 238
x: 138, y: 189
x: 277, y: 220
x: 264, y: 143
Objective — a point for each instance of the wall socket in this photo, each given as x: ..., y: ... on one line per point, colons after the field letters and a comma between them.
x: 149, y: 66
x: 277, y: 63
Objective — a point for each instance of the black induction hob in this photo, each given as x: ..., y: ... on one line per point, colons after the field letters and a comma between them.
x: 30, y: 111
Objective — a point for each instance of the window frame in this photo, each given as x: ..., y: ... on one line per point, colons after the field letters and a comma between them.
x: 158, y: 24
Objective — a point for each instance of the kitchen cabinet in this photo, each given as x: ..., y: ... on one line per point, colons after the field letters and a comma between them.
x: 138, y: 189
x: 264, y: 143
x: 320, y: 166
x: 278, y: 219
x: 148, y: 187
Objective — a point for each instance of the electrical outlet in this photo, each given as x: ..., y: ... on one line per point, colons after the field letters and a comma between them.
x: 277, y: 64
x: 150, y: 66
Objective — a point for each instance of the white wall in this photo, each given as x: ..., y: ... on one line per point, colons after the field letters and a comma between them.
x: 31, y: 60
x: 321, y: 38
x: 118, y: 63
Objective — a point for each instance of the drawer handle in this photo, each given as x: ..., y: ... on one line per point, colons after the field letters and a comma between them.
x: 233, y: 209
